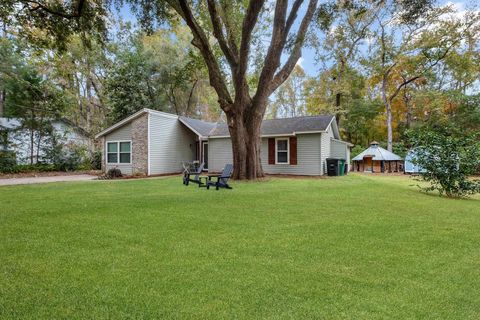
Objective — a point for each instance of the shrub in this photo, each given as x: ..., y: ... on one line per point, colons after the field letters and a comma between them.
x: 66, y: 157
x: 96, y: 160
x: 448, y: 159
x: 24, y: 168
x: 7, y: 161
x: 114, y: 173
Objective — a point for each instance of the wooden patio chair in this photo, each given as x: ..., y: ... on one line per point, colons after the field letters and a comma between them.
x: 222, y: 178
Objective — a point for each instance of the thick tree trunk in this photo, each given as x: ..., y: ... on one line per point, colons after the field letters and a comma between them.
x: 388, y: 110
x: 338, y: 95
x: 408, y: 107
x: 338, y: 98
x: 246, y: 145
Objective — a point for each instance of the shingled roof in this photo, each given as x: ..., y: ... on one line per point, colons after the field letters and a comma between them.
x: 284, y: 126
x: 270, y: 127
x: 202, y: 128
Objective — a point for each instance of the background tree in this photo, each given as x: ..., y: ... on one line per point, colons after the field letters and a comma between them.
x: 143, y: 74
x: 289, y: 99
x: 32, y: 99
x: 404, y: 51
x: 341, y: 49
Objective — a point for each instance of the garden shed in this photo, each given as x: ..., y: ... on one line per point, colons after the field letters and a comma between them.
x: 377, y: 159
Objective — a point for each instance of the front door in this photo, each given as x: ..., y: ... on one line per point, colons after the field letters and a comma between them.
x: 367, y: 164
x: 205, y: 154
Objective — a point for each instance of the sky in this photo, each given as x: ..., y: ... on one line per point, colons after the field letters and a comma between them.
x: 308, y: 61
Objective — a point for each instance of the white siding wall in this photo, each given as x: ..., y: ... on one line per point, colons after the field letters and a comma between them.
x: 122, y: 133
x: 325, y: 141
x: 170, y: 144
x: 308, y: 156
x: 338, y: 150
x: 219, y: 154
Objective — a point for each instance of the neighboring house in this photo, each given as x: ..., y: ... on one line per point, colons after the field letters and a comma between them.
x: 18, y: 139
x: 151, y: 142
x: 410, y: 166
x: 377, y: 159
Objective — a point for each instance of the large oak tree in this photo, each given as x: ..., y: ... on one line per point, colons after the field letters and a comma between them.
x: 233, y: 28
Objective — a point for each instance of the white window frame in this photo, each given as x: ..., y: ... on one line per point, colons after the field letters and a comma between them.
x: 118, y: 152
x: 276, y: 150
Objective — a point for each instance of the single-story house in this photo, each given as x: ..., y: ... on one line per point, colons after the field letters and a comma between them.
x: 377, y: 159
x: 151, y: 142
x: 14, y: 137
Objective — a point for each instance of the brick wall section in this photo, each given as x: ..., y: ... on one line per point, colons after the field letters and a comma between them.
x: 140, y: 145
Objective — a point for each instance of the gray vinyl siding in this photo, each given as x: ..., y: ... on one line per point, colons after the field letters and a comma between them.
x: 219, y: 154
x: 325, y: 151
x: 338, y: 150
x: 170, y: 144
x: 308, y: 157
x: 121, y: 134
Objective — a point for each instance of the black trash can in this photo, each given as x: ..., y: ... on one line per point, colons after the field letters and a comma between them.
x: 332, y: 167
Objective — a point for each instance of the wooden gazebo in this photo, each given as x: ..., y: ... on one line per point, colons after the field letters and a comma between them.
x: 377, y: 159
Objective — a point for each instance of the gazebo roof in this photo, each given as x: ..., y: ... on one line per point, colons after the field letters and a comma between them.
x: 377, y: 153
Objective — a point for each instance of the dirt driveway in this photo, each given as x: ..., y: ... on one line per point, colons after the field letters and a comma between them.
x: 32, y: 180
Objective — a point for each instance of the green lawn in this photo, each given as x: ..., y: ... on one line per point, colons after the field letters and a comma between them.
x: 355, y: 247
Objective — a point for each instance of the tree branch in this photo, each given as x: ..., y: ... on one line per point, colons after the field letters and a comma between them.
x: 249, y: 22
x: 200, y: 41
x: 219, y: 35
x: 229, y: 29
x: 282, y: 75
x: 277, y: 44
x: 292, y: 16
x: 403, y: 84
x: 39, y: 6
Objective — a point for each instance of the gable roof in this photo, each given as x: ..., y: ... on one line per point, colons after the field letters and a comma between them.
x: 132, y: 117
x: 377, y: 153
x: 270, y: 127
x: 283, y: 126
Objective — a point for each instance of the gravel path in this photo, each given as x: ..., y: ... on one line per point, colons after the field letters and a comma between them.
x: 31, y: 180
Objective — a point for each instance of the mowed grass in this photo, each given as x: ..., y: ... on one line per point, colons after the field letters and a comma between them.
x: 354, y: 247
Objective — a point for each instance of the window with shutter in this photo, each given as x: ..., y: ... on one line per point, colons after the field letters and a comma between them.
x: 282, y: 151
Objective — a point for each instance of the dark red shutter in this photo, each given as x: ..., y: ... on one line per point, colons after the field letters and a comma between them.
x: 271, y: 150
x: 293, y: 150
